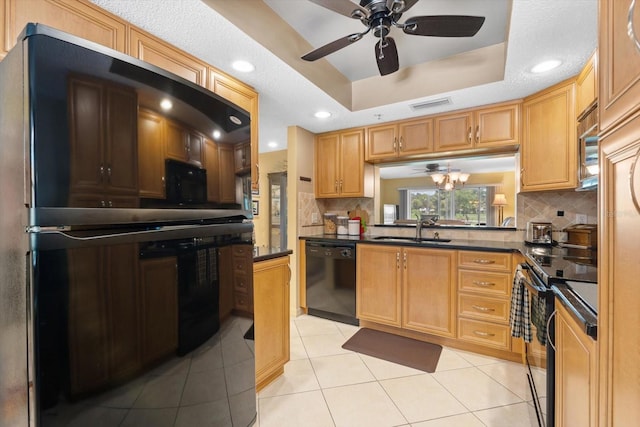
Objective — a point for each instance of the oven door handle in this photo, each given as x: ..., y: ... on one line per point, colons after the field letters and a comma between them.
x: 532, y: 282
x: 548, y: 326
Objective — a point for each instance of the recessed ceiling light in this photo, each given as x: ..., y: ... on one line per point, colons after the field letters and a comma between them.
x: 243, y: 66
x: 235, y: 120
x: 216, y: 134
x: 165, y: 104
x: 545, y: 66
x: 322, y: 114
x: 272, y: 144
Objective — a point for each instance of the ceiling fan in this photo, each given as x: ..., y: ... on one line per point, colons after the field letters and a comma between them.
x: 380, y: 15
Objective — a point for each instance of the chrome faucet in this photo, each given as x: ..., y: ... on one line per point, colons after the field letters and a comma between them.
x: 422, y: 222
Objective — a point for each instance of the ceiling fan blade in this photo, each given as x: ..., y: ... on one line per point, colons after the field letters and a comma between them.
x: 400, y: 6
x: 343, y: 7
x: 387, y: 58
x: 444, y: 25
x: 334, y: 46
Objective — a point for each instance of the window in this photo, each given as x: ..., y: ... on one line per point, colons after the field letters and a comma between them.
x: 469, y: 204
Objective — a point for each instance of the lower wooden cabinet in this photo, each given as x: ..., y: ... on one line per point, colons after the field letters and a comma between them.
x: 576, y: 373
x: 395, y: 284
x: 271, y: 318
x: 242, y: 259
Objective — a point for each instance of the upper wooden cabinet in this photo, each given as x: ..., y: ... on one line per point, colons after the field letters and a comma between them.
x: 72, y: 16
x: 226, y: 174
x: 151, y: 155
x: 454, y: 131
x: 340, y: 169
x: 549, y: 158
x: 619, y: 58
x: 587, y: 85
x: 154, y: 51
x: 243, y: 158
x: 399, y: 139
x: 183, y: 144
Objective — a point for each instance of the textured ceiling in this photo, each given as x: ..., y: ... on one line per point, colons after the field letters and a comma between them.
x: 537, y: 30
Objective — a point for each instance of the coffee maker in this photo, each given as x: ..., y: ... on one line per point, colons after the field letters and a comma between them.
x: 539, y: 233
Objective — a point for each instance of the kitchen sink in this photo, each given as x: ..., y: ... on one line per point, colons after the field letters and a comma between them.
x: 411, y: 239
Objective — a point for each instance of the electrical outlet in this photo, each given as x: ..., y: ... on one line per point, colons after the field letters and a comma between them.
x: 581, y: 219
x: 314, y: 218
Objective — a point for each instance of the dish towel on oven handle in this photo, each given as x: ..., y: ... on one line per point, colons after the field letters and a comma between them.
x: 520, y: 315
x: 539, y: 318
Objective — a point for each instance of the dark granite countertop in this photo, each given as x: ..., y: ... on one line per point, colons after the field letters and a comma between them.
x: 577, y: 306
x: 264, y: 253
x: 462, y: 244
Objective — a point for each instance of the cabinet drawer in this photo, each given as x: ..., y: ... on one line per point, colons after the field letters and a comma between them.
x: 491, y: 261
x: 243, y: 302
x: 487, y: 283
x: 482, y: 308
x: 484, y: 333
x: 242, y: 265
x: 242, y: 251
x: 241, y: 283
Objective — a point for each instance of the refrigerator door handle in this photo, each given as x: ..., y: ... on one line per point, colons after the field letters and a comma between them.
x: 47, y: 238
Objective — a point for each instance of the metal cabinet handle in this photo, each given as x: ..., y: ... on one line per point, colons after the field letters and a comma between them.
x: 405, y: 260
x: 483, y: 284
x: 335, y: 186
x: 522, y: 177
x: 548, y: 326
x: 484, y: 261
x: 398, y: 260
x: 632, y: 188
x: 630, y: 29
x: 481, y: 308
x: 478, y: 133
x: 395, y: 143
x: 484, y: 334
x: 401, y: 144
x: 469, y: 135
x: 341, y: 185
x: 101, y: 173
x: 110, y: 204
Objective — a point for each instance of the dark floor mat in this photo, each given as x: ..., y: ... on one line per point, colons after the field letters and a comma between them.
x: 393, y: 348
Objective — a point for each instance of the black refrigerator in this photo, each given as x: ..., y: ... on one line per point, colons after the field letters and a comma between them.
x: 111, y: 243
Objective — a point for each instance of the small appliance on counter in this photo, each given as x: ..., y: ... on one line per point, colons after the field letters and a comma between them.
x: 539, y: 233
x: 582, y: 236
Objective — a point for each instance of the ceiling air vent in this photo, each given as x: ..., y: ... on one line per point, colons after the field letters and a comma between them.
x: 430, y: 104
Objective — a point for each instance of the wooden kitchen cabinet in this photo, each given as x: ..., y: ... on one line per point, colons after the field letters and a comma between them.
x: 619, y: 61
x: 159, y: 297
x: 340, y: 169
x: 378, y: 284
x: 576, y: 373
x: 150, y: 49
x: 429, y: 291
x: 242, y: 259
x: 549, y: 149
x: 212, y: 165
x: 395, y: 284
x: 103, y: 139
x: 399, y: 140
x: 76, y: 17
x: 587, y: 85
x: 151, y: 169
x: 484, y: 280
x: 271, y: 318
x: 488, y: 127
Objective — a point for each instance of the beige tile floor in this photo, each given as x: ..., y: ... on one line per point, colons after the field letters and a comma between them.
x: 325, y: 385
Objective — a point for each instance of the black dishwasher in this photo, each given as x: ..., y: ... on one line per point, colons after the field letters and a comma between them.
x: 331, y: 280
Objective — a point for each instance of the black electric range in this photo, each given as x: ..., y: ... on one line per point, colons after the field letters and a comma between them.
x: 572, y: 275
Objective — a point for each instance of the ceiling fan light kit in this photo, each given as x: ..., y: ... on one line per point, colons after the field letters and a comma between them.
x: 446, y: 178
x: 380, y: 15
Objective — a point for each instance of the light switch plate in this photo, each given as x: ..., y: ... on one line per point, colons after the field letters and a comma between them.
x: 314, y: 217
x: 581, y: 219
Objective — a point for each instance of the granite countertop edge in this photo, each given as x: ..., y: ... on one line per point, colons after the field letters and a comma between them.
x: 264, y: 254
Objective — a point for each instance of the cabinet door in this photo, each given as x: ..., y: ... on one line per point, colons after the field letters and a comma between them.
x: 159, y: 296
x: 619, y: 72
x: 618, y: 272
x: 212, y: 165
x: 121, y: 149
x: 326, y: 165
x: 378, y: 287
x: 497, y: 126
x: 154, y: 51
x: 150, y: 155
x: 575, y: 373
x: 416, y: 137
x: 242, y: 158
x: 88, y: 169
x: 429, y: 291
x: 123, y: 303
x: 382, y: 142
x: 176, y: 141
x: 586, y: 85
x: 351, y: 182
x: 271, y: 317
x: 549, y: 146
x: 82, y: 19
x: 226, y: 174
x: 453, y: 132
